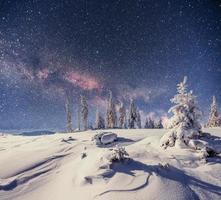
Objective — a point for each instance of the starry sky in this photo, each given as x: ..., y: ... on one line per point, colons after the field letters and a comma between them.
x: 135, y: 48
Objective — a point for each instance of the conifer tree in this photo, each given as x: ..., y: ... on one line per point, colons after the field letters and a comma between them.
x: 68, y: 110
x: 111, y: 113
x: 99, y: 123
x: 146, y: 123
x: 132, y: 116
x: 122, y: 116
x: 214, y: 118
x: 185, y: 121
x: 84, y: 112
x: 138, y: 120
x: 149, y: 123
x: 159, y: 124
x: 79, y: 114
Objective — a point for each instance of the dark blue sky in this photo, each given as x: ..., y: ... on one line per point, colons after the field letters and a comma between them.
x: 138, y: 49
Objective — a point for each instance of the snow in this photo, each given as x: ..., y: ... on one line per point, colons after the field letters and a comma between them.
x: 49, y: 167
x: 105, y: 138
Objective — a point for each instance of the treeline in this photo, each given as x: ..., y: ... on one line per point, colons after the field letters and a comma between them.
x: 123, y: 118
x: 114, y: 119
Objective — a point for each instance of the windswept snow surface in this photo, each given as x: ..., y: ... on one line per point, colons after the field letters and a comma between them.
x: 51, y: 167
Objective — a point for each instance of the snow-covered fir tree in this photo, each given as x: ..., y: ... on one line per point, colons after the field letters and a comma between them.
x: 214, y: 118
x: 79, y: 114
x: 185, y: 121
x: 132, y: 115
x: 158, y: 124
x: 111, y: 113
x: 149, y: 123
x: 100, y: 122
x: 84, y: 112
x: 68, y: 110
x: 146, y: 125
x: 122, y: 116
x: 138, y: 120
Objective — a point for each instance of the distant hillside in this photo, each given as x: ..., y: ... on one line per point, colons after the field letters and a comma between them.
x: 36, y: 133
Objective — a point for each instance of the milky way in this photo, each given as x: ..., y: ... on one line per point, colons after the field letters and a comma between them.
x: 138, y: 49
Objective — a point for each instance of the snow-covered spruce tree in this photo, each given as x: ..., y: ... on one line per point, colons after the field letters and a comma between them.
x: 84, y: 112
x: 68, y: 110
x: 79, y: 114
x: 99, y: 123
x: 138, y: 120
x: 159, y: 124
x: 111, y: 113
x: 185, y: 121
x: 152, y: 123
x: 122, y: 116
x: 146, y: 123
x: 132, y: 115
x: 149, y: 123
x: 214, y: 118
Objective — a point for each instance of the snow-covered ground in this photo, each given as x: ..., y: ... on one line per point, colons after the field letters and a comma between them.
x: 71, y: 166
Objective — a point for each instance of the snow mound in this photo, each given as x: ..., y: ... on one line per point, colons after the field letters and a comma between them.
x: 67, y: 166
x: 105, y: 138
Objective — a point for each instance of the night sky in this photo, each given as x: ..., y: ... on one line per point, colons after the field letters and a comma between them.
x: 138, y: 49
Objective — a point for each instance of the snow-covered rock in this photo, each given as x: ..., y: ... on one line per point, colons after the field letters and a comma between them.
x: 206, y: 149
x: 108, y: 138
x: 104, y: 138
x: 198, y: 144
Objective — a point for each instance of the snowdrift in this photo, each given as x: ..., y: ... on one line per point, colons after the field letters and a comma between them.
x: 71, y: 166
